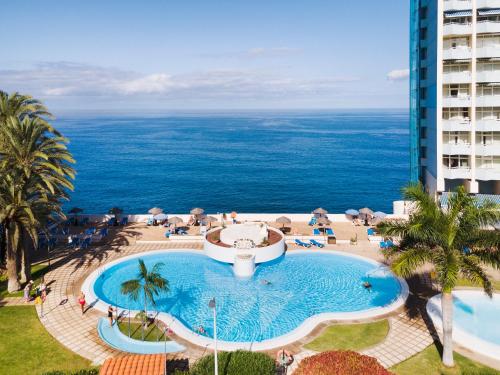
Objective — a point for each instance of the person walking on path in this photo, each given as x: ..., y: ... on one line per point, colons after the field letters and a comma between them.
x: 81, y: 301
x: 110, y: 315
x: 27, y: 291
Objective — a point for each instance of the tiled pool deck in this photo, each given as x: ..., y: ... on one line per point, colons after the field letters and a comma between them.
x: 408, y: 334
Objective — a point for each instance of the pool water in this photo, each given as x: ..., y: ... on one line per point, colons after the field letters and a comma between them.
x: 477, y: 314
x: 300, y: 285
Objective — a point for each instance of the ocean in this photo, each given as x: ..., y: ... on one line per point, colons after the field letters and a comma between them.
x: 252, y: 162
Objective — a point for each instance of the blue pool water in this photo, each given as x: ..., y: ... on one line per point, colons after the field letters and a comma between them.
x: 302, y: 285
x: 249, y: 162
x: 478, y: 314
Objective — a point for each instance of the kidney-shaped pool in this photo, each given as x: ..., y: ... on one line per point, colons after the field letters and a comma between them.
x: 280, y: 296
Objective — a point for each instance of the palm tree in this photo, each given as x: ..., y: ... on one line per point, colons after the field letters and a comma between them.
x: 454, y: 240
x: 39, y: 166
x: 147, y: 284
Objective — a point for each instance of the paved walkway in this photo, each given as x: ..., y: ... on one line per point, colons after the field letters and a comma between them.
x: 63, y: 319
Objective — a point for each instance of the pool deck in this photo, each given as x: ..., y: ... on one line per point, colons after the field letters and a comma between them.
x: 409, y: 333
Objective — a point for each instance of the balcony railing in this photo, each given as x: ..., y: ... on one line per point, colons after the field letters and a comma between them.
x: 456, y: 125
x: 454, y: 173
x: 457, y: 5
x: 488, y: 101
x: 488, y: 26
x: 488, y: 51
x: 456, y: 101
x: 487, y: 173
x: 457, y: 77
x: 488, y: 125
x: 458, y: 53
x: 457, y: 148
x: 488, y: 76
x: 457, y: 28
x: 492, y: 149
x: 488, y: 4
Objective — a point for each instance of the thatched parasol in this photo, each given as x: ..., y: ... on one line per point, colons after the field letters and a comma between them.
x: 323, y: 220
x: 155, y: 211
x: 174, y: 220
x: 365, y: 213
x: 283, y: 220
x: 197, y: 211
x: 320, y: 211
x: 209, y: 220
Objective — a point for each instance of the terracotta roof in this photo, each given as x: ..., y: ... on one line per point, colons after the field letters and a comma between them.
x: 144, y: 364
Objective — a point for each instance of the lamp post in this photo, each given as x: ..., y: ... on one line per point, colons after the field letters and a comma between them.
x: 211, y: 304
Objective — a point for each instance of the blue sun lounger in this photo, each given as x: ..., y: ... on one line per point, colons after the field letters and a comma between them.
x: 316, y: 232
x: 329, y: 232
x: 316, y: 243
x: 302, y: 244
x: 312, y: 221
x: 371, y: 232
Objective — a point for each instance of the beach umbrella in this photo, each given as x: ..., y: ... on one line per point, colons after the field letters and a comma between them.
x: 175, y: 220
x: 210, y: 220
x: 323, y: 220
x: 160, y: 217
x: 283, y: 220
x: 75, y: 211
x: 197, y: 211
x: 320, y: 211
x: 155, y: 211
x: 365, y: 212
x: 379, y: 214
x: 352, y: 212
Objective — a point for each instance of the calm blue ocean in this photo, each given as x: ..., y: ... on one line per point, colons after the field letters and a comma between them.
x: 250, y: 162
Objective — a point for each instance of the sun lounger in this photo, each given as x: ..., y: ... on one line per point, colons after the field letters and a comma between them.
x: 150, y: 221
x: 316, y: 243
x: 371, y: 232
x: 316, y: 232
x: 124, y: 221
x: 302, y: 244
x: 312, y: 221
x: 329, y: 232
x: 111, y: 221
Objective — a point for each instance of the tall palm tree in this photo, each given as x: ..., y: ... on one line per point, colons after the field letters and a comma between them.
x: 148, y: 284
x: 41, y: 165
x: 455, y: 240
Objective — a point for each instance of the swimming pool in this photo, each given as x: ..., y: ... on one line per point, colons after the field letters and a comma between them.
x: 285, y: 298
x: 475, y: 320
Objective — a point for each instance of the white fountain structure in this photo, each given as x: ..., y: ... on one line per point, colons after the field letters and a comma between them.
x: 244, y: 246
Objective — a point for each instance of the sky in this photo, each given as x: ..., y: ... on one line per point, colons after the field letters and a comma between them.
x: 207, y: 55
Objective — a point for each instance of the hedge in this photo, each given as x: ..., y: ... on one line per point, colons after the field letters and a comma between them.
x: 92, y: 371
x: 240, y: 362
x: 340, y: 363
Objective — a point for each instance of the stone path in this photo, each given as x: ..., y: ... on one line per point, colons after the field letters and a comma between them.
x: 63, y: 319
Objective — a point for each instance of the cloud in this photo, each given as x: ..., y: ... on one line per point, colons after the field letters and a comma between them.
x: 67, y: 79
x: 398, y: 75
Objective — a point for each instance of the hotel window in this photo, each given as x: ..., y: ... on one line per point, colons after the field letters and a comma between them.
x: 488, y: 40
x: 456, y: 138
x: 423, y: 132
x: 462, y: 42
x: 488, y: 113
x: 423, y: 33
x: 486, y: 90
x: 458, y: 20
x: 423, y: 152
x: 487, y: 138
x: 488, y: 66
x: 488, y: 162
x: 423, y: 93
x: 423, y: 113
x: 423, y: 53
x: 456, y: 68
x: 456, y: 161
x: 423, y: 73
x: 461, y: 114
x: 456, y: 91
x: 423, y: 13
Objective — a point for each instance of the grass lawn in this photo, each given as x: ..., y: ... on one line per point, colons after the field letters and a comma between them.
x: 27, y: 348
x: 152, y: 333
x: 37, y: 271
x: 350, y: 336
x: 463, y: 282
x: 428, y: 362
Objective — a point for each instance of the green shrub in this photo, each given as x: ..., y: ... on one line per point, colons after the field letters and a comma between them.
x: 340, y: 363
x: 236, y: 363
x: 90, y: 371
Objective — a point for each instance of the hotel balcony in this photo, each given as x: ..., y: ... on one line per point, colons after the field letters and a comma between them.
x: 488, y: 101
x: 457, y: 149
x: 488, y: 27
x: 488, y: 4
x: 456, y: 173
x: 492, y: 149
x: 488, y: 125
x: 457, y: 5
x: 488, y: 51
x: 459, y: 53
x: 457, y: 29
x: 487, y: 174
x: 457, y: 101
x: 456, y: 125
x: 488, y: 76
x: 457, y: 77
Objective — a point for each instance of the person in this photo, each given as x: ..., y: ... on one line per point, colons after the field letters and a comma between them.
x: 42, y: 289
x: 265, y: 282
x: 367, y: 285
x: 81, y: 301
x: 27, y: 291
x: 110, y: 315
x: 200, y: 330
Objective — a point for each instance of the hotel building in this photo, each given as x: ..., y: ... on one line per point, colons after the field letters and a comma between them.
x: 455, y: 95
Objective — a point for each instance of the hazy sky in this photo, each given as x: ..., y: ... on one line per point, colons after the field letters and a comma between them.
x: 206, y: 54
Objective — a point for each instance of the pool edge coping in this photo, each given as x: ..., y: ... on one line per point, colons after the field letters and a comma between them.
x: 305, y: 328
x: 460, y: 336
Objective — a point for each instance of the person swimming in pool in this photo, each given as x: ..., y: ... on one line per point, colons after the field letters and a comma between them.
x: 200, y: 330
x: 265, y: 282
x: 367, y: 285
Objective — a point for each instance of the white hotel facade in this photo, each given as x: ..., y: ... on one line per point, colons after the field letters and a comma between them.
x: 455, y: 95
